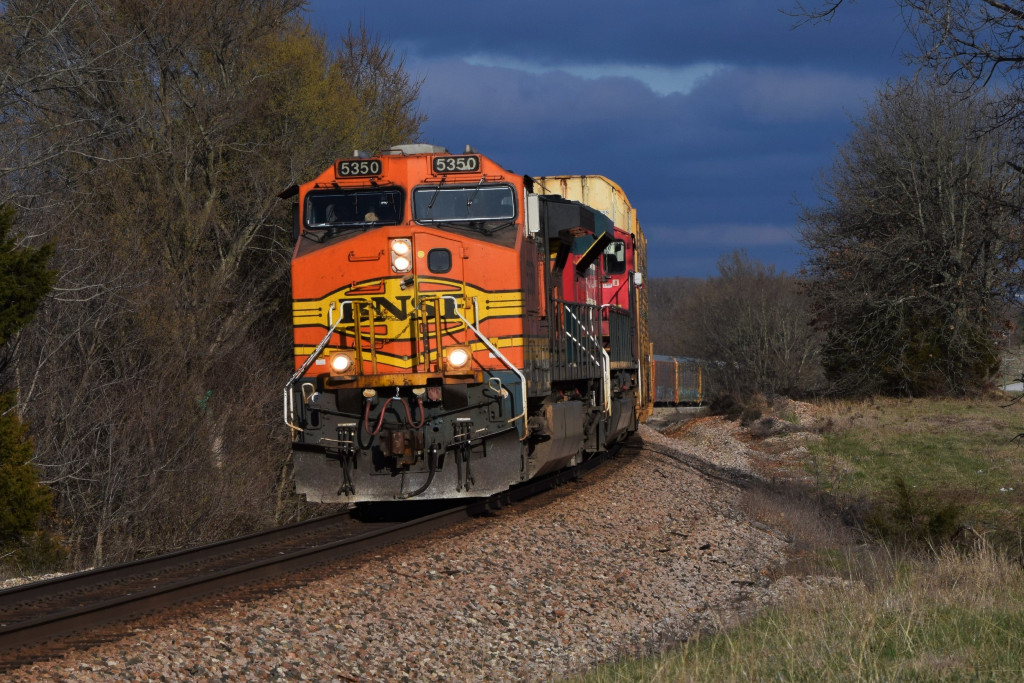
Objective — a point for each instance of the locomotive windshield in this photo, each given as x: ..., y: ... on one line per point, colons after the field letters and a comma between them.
x: 339, y: 209
x: 486, y: 210
x: 474, y: 203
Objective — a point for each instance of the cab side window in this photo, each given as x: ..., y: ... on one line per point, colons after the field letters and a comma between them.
x: 615, y: 258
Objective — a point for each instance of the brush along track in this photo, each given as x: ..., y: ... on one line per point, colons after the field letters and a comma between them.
x: 35, y: 617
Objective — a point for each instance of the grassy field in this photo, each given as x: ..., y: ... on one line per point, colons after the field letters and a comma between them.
x: 927, y: 468
x: 927, y: 585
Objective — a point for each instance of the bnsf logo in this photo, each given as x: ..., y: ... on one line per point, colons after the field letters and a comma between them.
x: 397, y: 308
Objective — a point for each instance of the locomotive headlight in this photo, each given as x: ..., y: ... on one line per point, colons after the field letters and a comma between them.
x: 458, y: 357
x: 341, y: 362
x: 401, y: 255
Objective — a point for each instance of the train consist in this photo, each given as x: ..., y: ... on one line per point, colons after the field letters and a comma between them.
x: 460, y: 328
x: 679, y: 381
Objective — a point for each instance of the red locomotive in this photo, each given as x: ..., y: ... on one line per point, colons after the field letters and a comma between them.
x: 459, y: 328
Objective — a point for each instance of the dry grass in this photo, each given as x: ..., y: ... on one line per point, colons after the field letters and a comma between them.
x: 927, y: 455
x: 910, y: 605
x: 950, y: 616
x: 813, y: 526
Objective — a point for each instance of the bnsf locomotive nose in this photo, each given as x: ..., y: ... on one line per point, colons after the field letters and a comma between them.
x: 459, y: 328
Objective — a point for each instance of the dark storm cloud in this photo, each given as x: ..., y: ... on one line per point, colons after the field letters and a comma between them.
x: 714, y: 117
x: 639, y: 31
x: 710, y: 171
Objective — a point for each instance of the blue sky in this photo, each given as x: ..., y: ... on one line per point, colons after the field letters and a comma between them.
x: 717, y: 118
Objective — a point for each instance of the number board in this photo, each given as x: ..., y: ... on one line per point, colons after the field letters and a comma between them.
x: 358, y: 167
x: 465, y: 163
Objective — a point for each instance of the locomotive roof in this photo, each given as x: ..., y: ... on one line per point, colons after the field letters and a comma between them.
x: 595, y: 191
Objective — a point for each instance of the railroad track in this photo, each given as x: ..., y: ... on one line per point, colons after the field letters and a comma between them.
x: 36, y: 618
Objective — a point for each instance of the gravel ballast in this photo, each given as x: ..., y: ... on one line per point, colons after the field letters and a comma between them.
x: 643, y: 552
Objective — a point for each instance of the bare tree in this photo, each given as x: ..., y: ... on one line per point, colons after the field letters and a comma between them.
x: 916, y: 245
x: 972, y: 40
x: 754, y: 325
x: 668, y: 297
x: 973, y: 43
x: 152, y: 377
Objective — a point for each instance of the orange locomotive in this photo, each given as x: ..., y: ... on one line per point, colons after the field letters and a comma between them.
x: 456, y: 329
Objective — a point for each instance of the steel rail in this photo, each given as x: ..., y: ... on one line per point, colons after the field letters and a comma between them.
x: 49, y: 589
x: 20, y: 635
x: 69, y: 621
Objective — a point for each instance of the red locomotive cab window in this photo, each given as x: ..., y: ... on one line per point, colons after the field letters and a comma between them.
x: 615, y: 258
x: 439, y: 260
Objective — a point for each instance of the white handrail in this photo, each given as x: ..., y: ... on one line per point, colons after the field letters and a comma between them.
x: 604, y: 363
x: 289, y: 398
x: 639, y: 365
x: 493, y: 349
x: 579, y: 343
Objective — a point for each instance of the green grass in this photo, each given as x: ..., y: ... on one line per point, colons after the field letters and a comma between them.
x: 910, y: 605
x: 946, y: 619
x: 954, y: 452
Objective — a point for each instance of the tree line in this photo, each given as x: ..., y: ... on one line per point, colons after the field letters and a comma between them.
x: 144, y: 334
x: 912, y: 278
x: 142, y: 146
